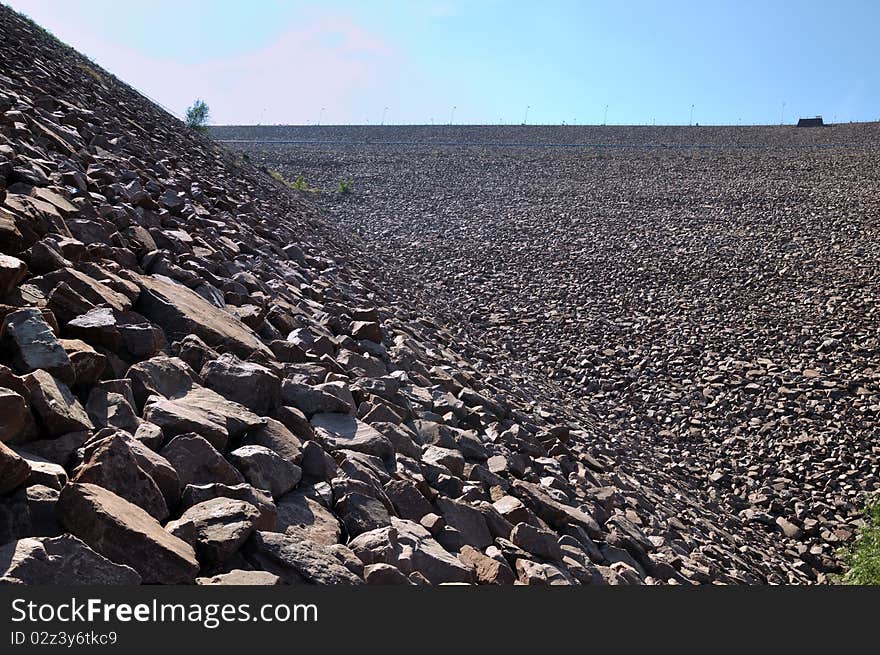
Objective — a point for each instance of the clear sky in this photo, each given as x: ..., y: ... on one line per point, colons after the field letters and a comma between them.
x: 280, y: 62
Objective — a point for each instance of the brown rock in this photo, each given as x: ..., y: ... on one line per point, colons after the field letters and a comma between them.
x: 12, y: 271
x: 385, y: 574
x: 180, y: 311
x: 487, y: 569
x: 55, y: 405
x: 243, y: 578
x: 34, y: 345
x: 110, y: 463
x: 540, y: 543
x: 88, y: 364
x: 297, y: 561
x: 126, y: 534
x: 341, y: 431
x: 246, y: 383
x: 194, y: 494
x: 366, y: 330
x: 15, y: 416
x: 63, y: 560
x: 198, y: 462
x: 467, y: 520
x: 13, y: 469
x: 204, y: 412
x: 275, y: 436
x: 305, y: 518
x: 216, y: 528
x: 266, y: 469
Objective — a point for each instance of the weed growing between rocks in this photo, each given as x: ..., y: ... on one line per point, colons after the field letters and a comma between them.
x: 862, y: 559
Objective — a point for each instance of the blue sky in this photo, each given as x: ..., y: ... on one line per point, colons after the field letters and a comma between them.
x: 282, y: 62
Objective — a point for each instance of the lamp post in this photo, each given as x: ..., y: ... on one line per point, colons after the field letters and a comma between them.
x: 692, y: 115
x: 526, y: 117
x: 452, y: 115
x: 605, y: 118
x: 782, y: 115
x: 320, y: 115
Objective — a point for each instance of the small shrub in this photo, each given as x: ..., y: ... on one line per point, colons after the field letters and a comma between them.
x: 344, y: 187
x: 197, y: 115
x: 299, y: 184
x: 91, y: 72
x: 862, y: 559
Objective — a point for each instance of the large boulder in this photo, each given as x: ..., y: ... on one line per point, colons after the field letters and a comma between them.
x: 204, y: 412
x: 239, y: 577
x: 408, y: 501
x: 87, y: 363
x: 311, y: 400
x: 344, y: 432
x: 276, y: 436
x: 14, y: 469
x: 246, y: 383
x: 110, y: 409
x: 168, y: 377
x: 111, y: 463
x: 410, y: 547
x: 297, y: 561
x: 361, y: 513
x: 54, y: 404
x: 557, y: 514
x: 216, y: 528
x: 538, y: 542
x: 303, y: 517
x: 467, y: 520
x: 126, y: 534
x: 63, y: 560
x: 181, y: 311
x: 266, y: 469
x: 12, y: 271
x: 194, y: 494
x: 16, y: 419
x: 198, y: 462
x: 34, y: 345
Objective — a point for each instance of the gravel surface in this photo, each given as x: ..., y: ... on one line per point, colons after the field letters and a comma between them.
x: 714, y: 309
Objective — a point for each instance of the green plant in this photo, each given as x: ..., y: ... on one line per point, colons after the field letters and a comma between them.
x: 197, y: 115
x: 862, y: 558
x: 299, y: 184
x: 344, y: 187
x: 91, y: 72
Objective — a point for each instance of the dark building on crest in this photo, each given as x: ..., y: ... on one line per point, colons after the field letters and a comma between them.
x: 810, y: 122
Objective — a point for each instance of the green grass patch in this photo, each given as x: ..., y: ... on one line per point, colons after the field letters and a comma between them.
x: 299, y: 184
x: 862, y: 558
x: 344, y: 187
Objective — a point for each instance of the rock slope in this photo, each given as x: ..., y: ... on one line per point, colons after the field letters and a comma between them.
x: 714, y: 308
x: 204, y: 381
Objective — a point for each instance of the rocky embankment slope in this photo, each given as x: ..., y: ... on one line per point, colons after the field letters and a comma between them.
x: 715, y: 309
x: 203, y: 380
